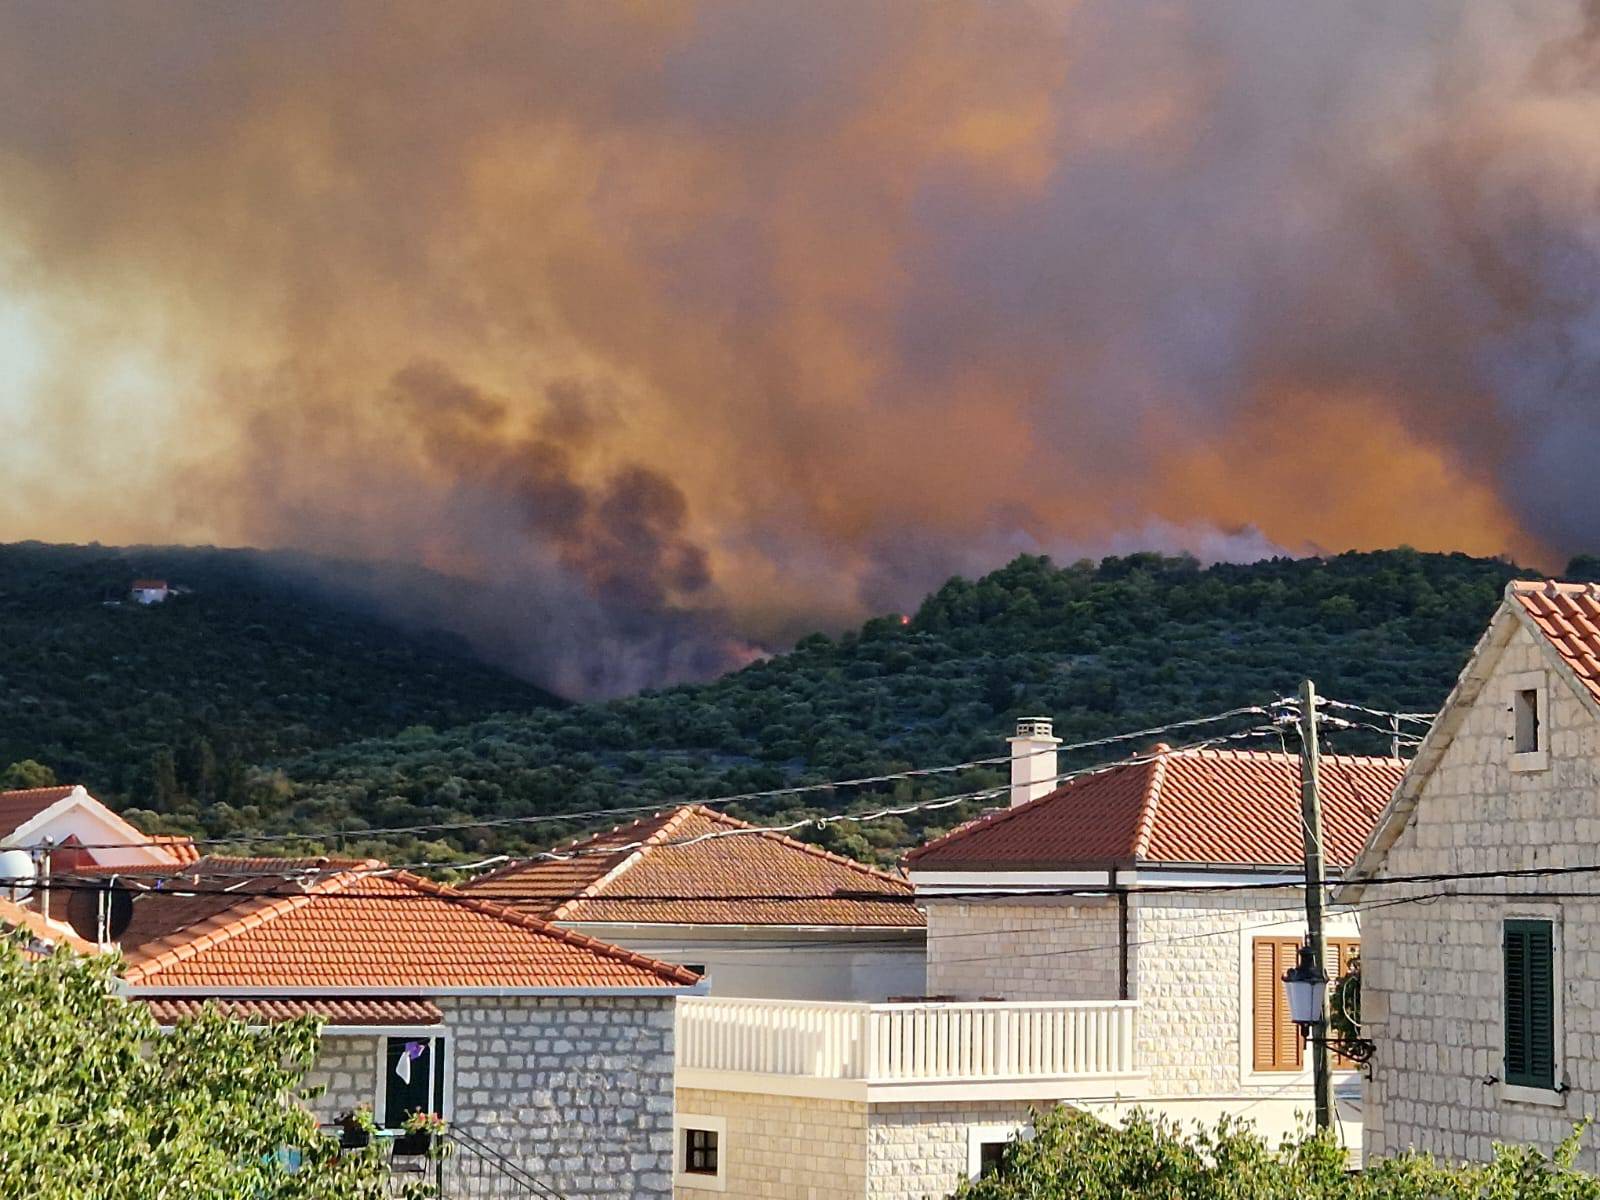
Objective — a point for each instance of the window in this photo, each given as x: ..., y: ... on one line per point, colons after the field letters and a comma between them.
x: 413, y: 1078
x: 1528, y: 705
x: 990, y: 1157
x: 1277, y: 1042
x: 988, y: 1146
x: 1530, y: 1010
x: 700, y: 1151
x: 701, y: 1154
x: 1525, y: 710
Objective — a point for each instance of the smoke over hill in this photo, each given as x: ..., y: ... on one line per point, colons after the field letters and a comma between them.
x: 684, y: 327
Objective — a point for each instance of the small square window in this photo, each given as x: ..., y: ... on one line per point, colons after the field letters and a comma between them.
x: 1525, y: 710
x: 700, y: 1151
x: 991, y: 1157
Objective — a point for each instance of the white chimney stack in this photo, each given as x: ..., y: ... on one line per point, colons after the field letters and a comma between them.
x: 1033, y: 759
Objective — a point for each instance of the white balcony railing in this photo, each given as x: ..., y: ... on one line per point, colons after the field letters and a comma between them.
x: 893, y: 1045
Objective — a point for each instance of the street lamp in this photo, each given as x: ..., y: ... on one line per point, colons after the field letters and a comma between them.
x: 1305, y: 985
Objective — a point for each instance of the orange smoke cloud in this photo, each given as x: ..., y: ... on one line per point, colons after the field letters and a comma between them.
x: 678, y: 327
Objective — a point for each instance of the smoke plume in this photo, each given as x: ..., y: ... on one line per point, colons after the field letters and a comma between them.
x: 680, y: 328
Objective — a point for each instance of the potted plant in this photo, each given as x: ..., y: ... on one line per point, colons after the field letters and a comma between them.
x: 418, y: 1133
x: 356, y: 1127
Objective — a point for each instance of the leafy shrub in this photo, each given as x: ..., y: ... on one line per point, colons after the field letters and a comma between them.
x: 1072, y: 1154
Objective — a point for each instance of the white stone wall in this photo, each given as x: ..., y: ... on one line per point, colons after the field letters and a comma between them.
x: 347, y: 1071
x: 784, y: 964
x: 577, y: 1091
x: 784, y: 1147
x: 921, y: 1150
x: 1041, y: 949
x: 1432, y: 988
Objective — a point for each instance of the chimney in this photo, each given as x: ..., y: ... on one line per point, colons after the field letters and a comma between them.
x: 1033, y: 759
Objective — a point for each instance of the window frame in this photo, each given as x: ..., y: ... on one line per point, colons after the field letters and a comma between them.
x: 1341, y: 927
x: 445, y: 1089
x: 683, y: 1125
x: 979, y: 1136
x: 1516, y: 686
x: 1555, y: 1094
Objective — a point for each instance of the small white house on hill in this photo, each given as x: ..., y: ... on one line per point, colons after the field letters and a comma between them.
x: 148, y: 591
x: 1479, y: 989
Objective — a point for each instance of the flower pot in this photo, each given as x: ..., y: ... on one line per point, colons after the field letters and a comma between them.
x: 413, y: 1145
x: 353, y: 1137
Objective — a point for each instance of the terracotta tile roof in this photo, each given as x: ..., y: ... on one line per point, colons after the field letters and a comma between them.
x: 1236, y: 808
x: 363, y: 1010
x: 16, y: 916
x: 182, y: 849
x: 704, y: 883
x: 346, y: 927
x: 1568, y: 614
x: 20, y: 807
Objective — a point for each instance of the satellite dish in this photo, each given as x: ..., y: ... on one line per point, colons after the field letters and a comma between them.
x: 18, y: 872
x: 119, y: 912
x: 100, y: 914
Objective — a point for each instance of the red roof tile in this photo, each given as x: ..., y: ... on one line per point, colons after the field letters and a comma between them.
x: 357, y: 926
x: 182, y: 849
x: 707, y: 882
x: 18, y: 916
x: 20, y: 807
x: 363, y: 1010
x: 1238, y: 808
x: 1568, y: 614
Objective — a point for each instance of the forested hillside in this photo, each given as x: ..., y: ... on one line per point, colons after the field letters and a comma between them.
x: 252, y: 663
x: 1102, y: 647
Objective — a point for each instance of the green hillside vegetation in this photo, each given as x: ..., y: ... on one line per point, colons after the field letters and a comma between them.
x: 1122, y: 644
x: 254, y: 664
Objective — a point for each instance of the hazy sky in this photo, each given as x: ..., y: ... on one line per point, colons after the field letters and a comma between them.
x: 689, y: 326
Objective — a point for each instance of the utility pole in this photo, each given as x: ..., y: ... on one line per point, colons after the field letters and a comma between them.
x: 1311, y: 826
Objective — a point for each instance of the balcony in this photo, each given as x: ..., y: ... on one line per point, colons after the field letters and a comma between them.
x: 926, y: 1051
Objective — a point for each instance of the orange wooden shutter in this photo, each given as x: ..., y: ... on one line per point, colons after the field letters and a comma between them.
x: 1263, y: 992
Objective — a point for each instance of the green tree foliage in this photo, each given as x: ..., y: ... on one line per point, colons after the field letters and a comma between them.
x: 253, y: 661
x: 96, y: 1102
x: 26, y: 774
x: 1074, y: 1154
x: 242, y: 708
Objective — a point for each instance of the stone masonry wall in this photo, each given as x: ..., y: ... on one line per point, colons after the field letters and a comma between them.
x: 577, y: 1091
x: 347, y: 1070
x: 920, y: 1150
x: 1189, y: 978
x: 1432, y: 988
x: 784, y: 1147
x: 1031, y: 950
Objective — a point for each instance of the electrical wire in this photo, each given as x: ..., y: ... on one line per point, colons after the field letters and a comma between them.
x: 735, y: 798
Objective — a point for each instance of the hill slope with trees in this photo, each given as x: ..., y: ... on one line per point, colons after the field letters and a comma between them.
x: 1106, y: 647
x: 251, y: 663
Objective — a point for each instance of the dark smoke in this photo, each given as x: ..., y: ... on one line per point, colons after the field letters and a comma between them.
x: 681, y: 328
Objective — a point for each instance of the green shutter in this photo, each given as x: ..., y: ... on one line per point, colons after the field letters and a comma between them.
x: 1530, y: 1004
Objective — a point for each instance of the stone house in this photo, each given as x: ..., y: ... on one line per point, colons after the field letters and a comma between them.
x: 1169, y: 1000
x: 757, y: 913
x: 1478, y: 988
x: 549, y: 1050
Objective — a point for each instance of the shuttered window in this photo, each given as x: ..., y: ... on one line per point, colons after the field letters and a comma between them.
x: 1530, y: 1004
x: 1278, y: 1046
x: 1277, y: 1041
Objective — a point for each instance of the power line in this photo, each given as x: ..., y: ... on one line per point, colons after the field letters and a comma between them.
x: 98, y: 881
x: 735, y: 798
